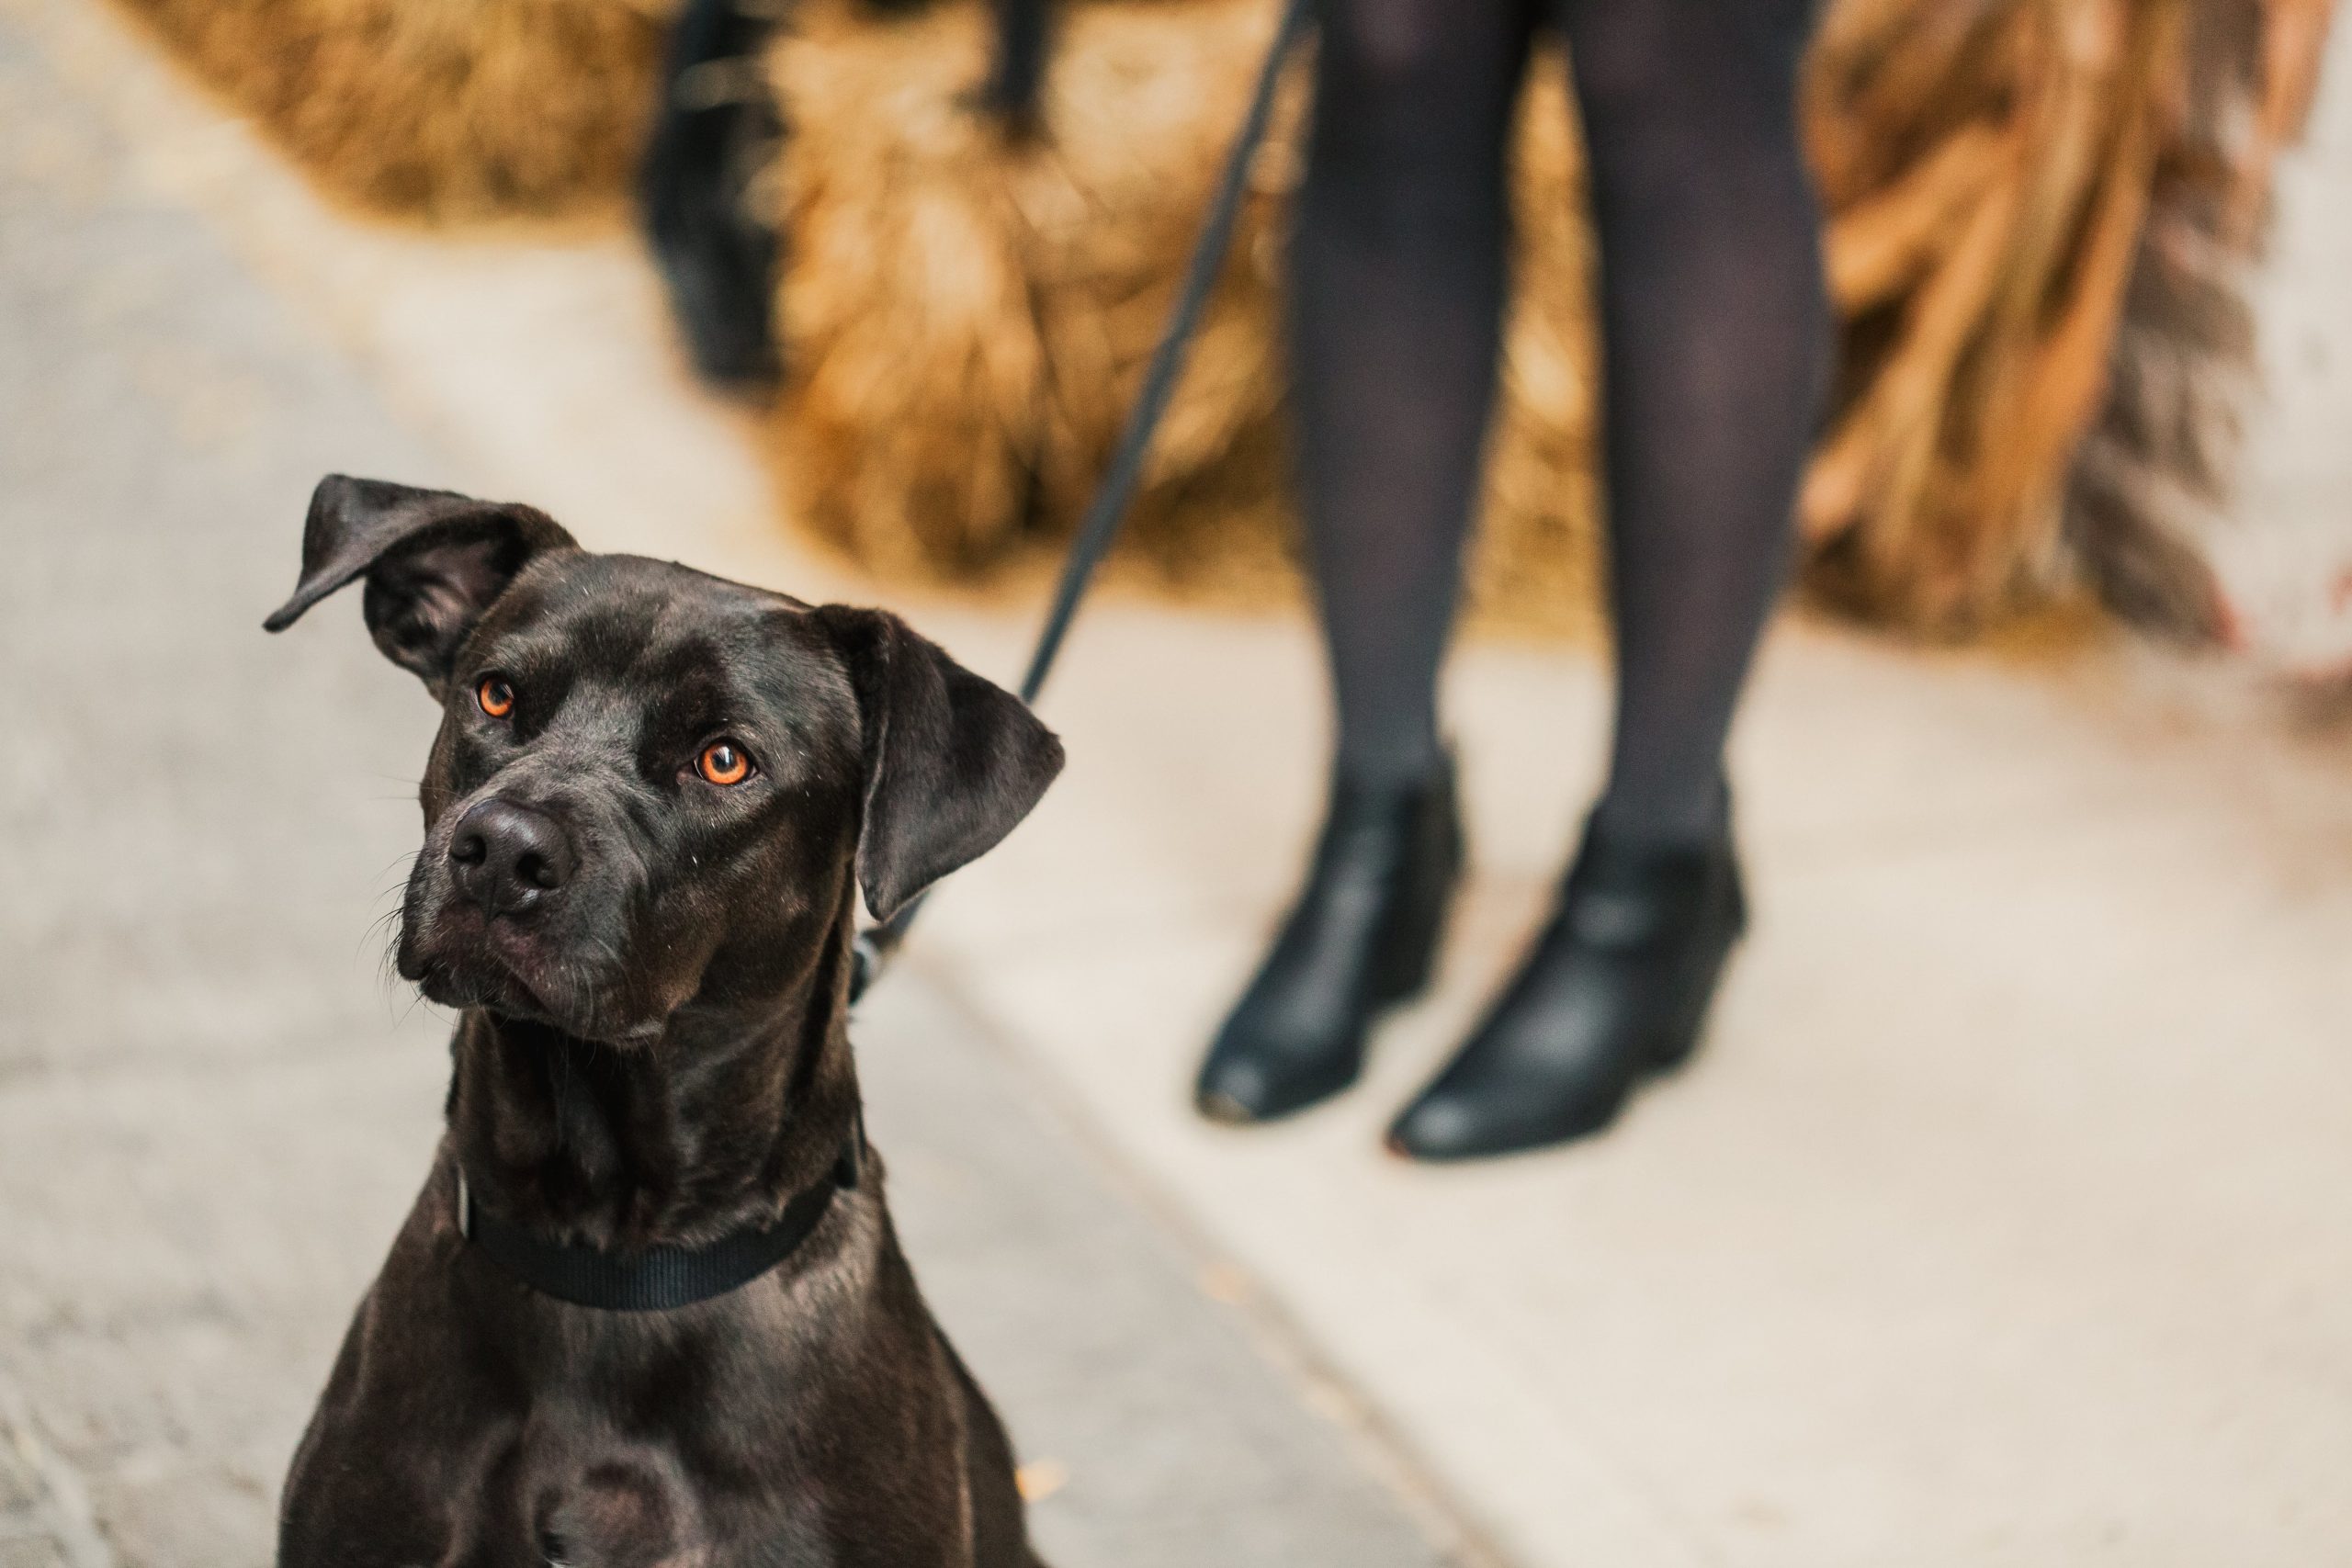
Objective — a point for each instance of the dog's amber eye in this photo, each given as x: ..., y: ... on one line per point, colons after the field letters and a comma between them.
x: 496, y: 697
x: 723, y: 763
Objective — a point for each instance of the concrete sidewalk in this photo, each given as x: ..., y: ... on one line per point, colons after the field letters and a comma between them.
x: 2007, y: 1219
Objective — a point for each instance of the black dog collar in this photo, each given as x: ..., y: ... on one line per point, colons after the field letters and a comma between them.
x: 660, y: 1278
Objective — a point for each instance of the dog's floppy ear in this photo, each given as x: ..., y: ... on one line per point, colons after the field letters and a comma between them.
x: 952, y: 761
x: 434, y: 562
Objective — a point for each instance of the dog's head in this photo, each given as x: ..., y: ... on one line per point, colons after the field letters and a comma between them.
x: 652, y: 787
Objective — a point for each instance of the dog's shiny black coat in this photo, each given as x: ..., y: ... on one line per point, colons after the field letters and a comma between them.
x: 653, y: 973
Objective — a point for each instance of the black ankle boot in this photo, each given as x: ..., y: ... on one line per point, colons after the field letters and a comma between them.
x: 1362, y: 936
x: 1616, y: 988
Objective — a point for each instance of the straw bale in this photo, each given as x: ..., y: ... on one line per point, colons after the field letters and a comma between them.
x: 2039, y: 212
x: 966, y: 317
x: 435, y: 108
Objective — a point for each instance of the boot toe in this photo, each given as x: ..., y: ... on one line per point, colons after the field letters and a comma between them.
x: 1443, y: 1126
x: 1436, y: 1128
x: 1247, y: 1079
x: 1235, y: 1092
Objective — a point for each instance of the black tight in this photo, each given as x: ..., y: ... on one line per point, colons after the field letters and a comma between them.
x: 1714, y: 326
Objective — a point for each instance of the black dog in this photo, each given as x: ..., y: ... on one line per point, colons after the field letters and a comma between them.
x: 652, y: 797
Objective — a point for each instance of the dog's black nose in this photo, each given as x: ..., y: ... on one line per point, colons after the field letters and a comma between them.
x: 507, y: 858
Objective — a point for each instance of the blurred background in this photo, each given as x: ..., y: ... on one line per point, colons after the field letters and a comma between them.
x: 2007, y: 1217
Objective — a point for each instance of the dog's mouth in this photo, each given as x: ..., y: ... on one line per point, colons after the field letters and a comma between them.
x: 459, y: 959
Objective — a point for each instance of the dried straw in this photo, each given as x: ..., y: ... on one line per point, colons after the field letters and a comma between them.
x: 2008, y: 183
x: 2039, y: 212
x: 435, y: 108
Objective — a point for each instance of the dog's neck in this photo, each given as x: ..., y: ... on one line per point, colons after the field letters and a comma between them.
x: 711, y: 1128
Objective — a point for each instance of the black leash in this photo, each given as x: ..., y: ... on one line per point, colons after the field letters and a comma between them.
x: 1100, y: 528
x: 660, y: 1278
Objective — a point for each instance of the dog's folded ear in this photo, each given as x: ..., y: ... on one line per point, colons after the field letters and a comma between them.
x: 953, y: 762
x: 434, y: 561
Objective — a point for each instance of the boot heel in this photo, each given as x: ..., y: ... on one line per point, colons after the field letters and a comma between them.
x: 1410, y: 952
x: 1407, y: 969
x: 1678, y: 1040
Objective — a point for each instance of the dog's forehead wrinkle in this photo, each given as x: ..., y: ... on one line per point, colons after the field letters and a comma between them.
x: 614, y: 614
x: 803, y: 671
x: 665, y: 631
